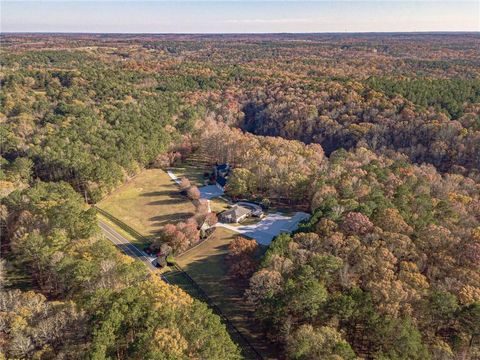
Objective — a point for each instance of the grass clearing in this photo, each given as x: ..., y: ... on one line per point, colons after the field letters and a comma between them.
x: 147, y: 202
x: 218, y: 205
x: 206, y: 265
x: 194, y: 173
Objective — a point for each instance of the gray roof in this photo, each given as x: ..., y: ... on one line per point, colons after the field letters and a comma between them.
x: 237, y: 211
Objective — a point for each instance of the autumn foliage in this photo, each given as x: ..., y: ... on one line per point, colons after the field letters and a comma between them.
x: 242, y: 257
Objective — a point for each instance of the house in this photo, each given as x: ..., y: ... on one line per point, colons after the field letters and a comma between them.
x: 222, y: 170
x: 256, y: 209
x: 235, y: 214
x: 221, y: 182
x: 220, y: 174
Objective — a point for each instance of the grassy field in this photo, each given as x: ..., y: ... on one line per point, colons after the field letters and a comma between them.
x: 218, y: 205
x: 206, y: 265
x: 193, y: 172
x: 193, y: 168
x: 147, y: 202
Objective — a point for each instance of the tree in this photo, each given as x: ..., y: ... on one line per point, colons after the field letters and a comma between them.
x: 469, y: 318
x: 156, y: 320
x: 304, y: 295
x: 211, y: 219
x: 391, y: 220
x: 241, y: 258
x: 264, y: 284
x: 356, y: 223
x: 184, y: 183
x: 193, y: 193
x: 321, y: 343
x: 241, y: 183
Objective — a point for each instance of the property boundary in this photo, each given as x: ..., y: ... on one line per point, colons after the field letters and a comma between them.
x: 247, y: 348
x: 239, y: 338
x: 121, y: 224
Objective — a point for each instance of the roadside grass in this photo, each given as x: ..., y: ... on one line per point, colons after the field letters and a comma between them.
x: 148, y: 202
x: 206, y: 265
x: 127, y: 235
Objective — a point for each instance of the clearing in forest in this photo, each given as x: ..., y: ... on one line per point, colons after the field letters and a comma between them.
x: 147, y: 202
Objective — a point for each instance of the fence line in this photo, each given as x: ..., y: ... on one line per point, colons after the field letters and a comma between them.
x: 241, y: 339
x: 121, y: 224
x: 233, y: 330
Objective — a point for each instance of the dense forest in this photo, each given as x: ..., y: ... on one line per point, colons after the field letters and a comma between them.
x: 377, y: 136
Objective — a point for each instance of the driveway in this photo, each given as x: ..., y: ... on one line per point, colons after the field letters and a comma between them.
x: 173, y: 177
x: 210, y: 191
x: 269, y: 227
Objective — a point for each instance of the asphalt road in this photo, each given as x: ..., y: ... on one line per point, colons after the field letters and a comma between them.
x: 126, y: 246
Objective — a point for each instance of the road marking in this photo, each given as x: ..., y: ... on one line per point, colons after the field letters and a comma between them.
x: 126, y: 246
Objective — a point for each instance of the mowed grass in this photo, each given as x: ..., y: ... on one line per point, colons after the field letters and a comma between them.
x: 193, y: 172
x: 218, y: 205
x: 148, y: 202
x: 206, y: 265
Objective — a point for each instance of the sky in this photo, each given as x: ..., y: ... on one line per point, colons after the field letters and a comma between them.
x: 135, y: 16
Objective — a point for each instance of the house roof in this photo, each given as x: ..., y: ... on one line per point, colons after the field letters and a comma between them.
x: 221, y: 181
x: 237, y: 211
x: 223, y: 167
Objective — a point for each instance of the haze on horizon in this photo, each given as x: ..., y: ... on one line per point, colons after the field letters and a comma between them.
x: 239, y: 17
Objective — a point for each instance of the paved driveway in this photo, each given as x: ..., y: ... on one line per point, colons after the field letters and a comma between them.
x: 210, y: 192
x: 269, y: 227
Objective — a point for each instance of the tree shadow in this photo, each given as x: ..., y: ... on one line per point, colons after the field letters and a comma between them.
x: 166, y: 218
x: 172, y: 201
x: 158, y: 193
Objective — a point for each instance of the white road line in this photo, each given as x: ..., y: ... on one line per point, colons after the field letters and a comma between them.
x: 126, y: 246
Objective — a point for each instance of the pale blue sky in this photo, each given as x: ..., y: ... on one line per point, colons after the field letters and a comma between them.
x: 239, y: 16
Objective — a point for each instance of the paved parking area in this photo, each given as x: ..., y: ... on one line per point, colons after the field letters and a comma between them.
x: 210, y: 192
x: 269, y: 227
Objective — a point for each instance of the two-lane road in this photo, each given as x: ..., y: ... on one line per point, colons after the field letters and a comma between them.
x: 126, y: 246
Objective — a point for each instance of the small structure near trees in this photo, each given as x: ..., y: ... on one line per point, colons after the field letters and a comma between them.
x: 163, y: 255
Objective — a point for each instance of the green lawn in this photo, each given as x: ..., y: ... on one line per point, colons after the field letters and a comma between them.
x: 218, y: 205
x: 193, y: 172
x: 206, y: 265
x: 147, y: 202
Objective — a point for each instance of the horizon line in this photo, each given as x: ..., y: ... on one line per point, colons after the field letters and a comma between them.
x: 242, y: 33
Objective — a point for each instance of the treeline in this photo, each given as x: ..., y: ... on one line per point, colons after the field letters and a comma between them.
x: 91, y: 126
x: 269, y: 168
x: 91, y: 301
x: 351, y: 114
x: 450, y: 95
x: 386, y: 268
